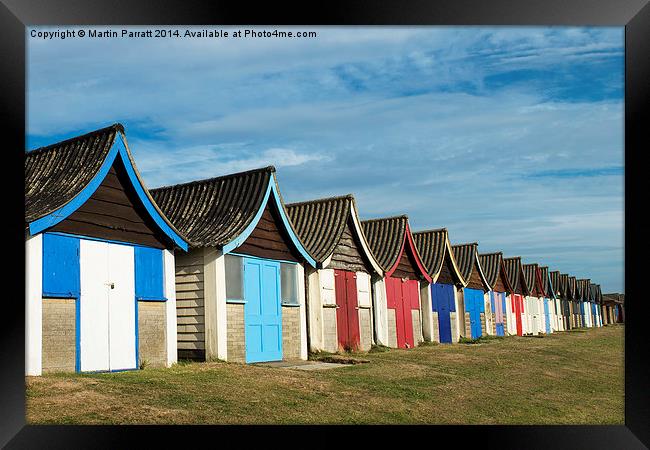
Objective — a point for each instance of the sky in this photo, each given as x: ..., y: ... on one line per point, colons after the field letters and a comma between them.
x: 512, y: 137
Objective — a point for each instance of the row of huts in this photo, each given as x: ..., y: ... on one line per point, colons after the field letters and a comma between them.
x: 118, y: 275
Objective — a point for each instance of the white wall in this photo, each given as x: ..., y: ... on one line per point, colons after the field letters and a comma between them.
x: 303, y: 313
x: 380, y: 310
x: 170, y: 307
x: 33, y: 305
x: 216, y: 321
x: 426, y: 312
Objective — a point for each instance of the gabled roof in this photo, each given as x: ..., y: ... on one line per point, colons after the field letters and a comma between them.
x: 434, y: 246
x: 320, y: 224
x: 514, y: 270
x: 61, y: 177
x: 540, y: 282
x: 599, y: 294
x: 388, y: 238
x: 564, y: 286
x: 555, y: 283
x: 614, y: 297
x: 223, y: 211
x: 571, y: 287
x: 530, y: 276
x: 580, y: 293
x: 492, y: 264
x: 466, y: 255
x: 546, y: 281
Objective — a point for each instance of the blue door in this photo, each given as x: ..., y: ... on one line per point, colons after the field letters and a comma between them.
x: 262, y: 311
x: 547, y: 317
x: 498, y: 309
x: 442, y: 301
x: 474, y: 305
x: 582, y: 312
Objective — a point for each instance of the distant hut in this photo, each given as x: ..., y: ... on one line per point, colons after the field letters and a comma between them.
x: 569, y: 307
x: 595, y: 298
x: 398, y: 320
x: 241, y: 293
x: 554, y: 280
x: 578, y: 307
x: 339, y: 300
x: 99, y: 260
x: 495, y: 274
x: 534, y: 300
x: 440, y: 319
x: 612, y: 307
x: 474, y: 293
x: 543, y: 284
x: 516, y: 308
x: 584, y: 295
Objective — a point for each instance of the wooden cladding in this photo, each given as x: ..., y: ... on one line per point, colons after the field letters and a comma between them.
x: 446, y: 276
x: 190, y: 303
x: 268, y: 239
x: 499, y: 284
x: 475, y: 281
x: 406, y: 268
x: 346, y: 255
x: 114, y: 212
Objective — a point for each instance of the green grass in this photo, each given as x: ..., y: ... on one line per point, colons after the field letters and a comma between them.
x: 564, y: 378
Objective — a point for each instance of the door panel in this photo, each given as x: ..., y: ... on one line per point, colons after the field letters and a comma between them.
x: 352, y: 304
x: 408, y: 300
x: 121, y: 307
x: 93, y: 306
x: 444, y: 297
x: 262, y: 310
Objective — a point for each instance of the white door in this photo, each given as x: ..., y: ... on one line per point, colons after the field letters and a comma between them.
x: 107, y: 306
x: 93, y: 306
x: 121, y: 302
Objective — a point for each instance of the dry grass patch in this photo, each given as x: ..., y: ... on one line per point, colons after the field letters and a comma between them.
x: 565, y: 378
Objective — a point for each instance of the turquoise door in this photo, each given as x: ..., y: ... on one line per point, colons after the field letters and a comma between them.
x: 547, y: 316
x: 262, y: 311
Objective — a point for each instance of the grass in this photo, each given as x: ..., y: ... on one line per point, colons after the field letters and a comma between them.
x: 565, y: 378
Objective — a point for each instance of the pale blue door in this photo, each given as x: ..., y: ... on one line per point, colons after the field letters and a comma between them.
x: 262, y: 311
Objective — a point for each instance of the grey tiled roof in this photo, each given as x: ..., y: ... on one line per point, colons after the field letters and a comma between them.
x: 385, y: 237
x: 56, y: 174
x: 213, y: 212
x: 530, y: 275
x: 320, y: 223
x: 465, y: 255
x: 515, y: 274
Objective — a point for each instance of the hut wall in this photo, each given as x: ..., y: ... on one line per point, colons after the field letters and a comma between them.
x: 445, y: 275
x: 152, y: 333
x: 346, y: 255
x: 475, y: 281
x: 190, y: 304
x: 59, y: 332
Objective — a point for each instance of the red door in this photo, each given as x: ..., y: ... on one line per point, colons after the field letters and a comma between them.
x: 518, y: 307
x: 401, y: 296
x: 347, y: 312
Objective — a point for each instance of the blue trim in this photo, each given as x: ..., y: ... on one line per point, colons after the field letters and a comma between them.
x: 241, y: 255
x: 239, y: 240
x: 77, y: 334
x: 151, y: 299
x: 60, y: 294
x: 118, y: 147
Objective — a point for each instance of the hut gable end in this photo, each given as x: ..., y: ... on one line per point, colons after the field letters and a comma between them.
x: 113, y: 212
x: 346, y: 254
x: 268, y: 239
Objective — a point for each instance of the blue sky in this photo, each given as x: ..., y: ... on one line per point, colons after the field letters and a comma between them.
x: 508, y: 136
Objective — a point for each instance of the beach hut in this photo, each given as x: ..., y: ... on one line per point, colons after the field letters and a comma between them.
x: 240, y: 288
x: 474, y: 293
x: 534, y: 300
x: 405, y: 286
x: 99, y: 287
x: 495, y: 274
x: 440, y: 322
x: 543, y: 288
x: 584, y: 294
x: 339, y: 303
x: 611, y: 305
x: 568, y: 304
x: 554, y: 280
x: 596, y: 299
x: 578, y: 308
x: 516, y: 279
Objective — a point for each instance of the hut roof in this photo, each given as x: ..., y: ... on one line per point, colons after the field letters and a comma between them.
x: 492, y: 264
x: 60, y: 177
x: 514, y: 270
x: 388, y: 238
x: 530, y: 276
x: 434, y: 246
x: 564, y: 286
x: 320, y: 224
x: 223, y: 211
x: 546, y: 282
x: 614, y: 297
x: 571, y: 290
x: 466, y: 255
x: 555, y: 283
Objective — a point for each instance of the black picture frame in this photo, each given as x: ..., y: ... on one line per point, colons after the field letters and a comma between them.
x: 16, y: 15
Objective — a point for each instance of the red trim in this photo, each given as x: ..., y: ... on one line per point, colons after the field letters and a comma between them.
x: 420, y: 266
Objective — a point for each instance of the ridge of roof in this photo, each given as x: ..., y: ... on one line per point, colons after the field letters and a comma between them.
x: 118, y: 127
